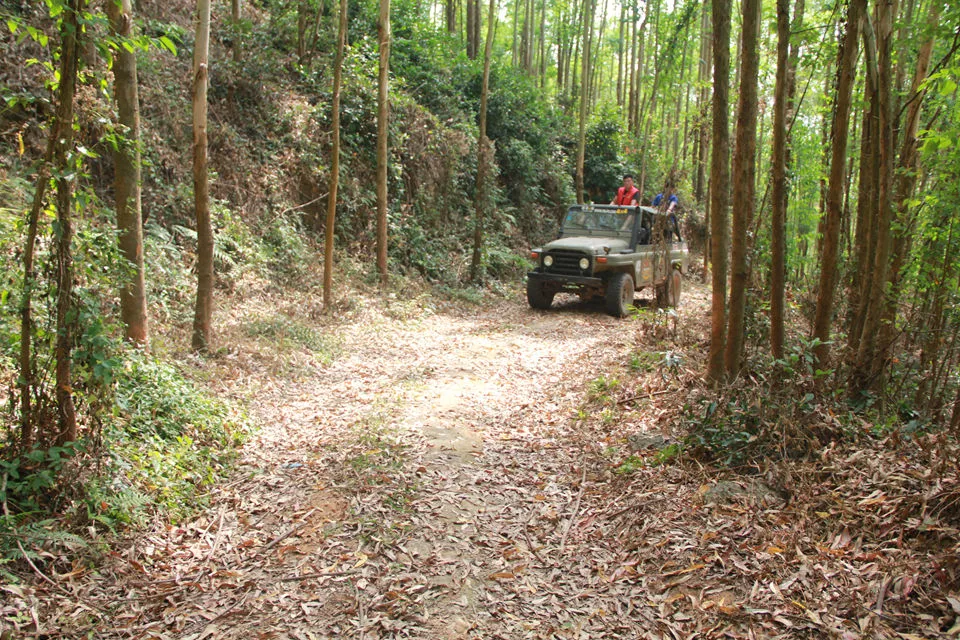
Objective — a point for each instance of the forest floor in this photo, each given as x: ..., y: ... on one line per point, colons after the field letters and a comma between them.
x: 440, y: 470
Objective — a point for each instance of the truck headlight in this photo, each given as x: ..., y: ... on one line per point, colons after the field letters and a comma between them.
x: 547, y: 261
x: 584, y: 264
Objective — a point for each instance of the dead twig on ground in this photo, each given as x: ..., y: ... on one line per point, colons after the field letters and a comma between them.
x: 292, y: 530
x: 576, y: 506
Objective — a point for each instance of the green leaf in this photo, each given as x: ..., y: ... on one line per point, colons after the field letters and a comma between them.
x: 947, y: 87
x: 82, y: 150
x: 167, y: 44
x: 12, y: 25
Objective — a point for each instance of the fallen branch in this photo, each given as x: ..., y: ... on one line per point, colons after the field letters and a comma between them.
x: 317, y: 574
x: 292, y: 530
x: 533, y: 549
x: 576, y: 507
x: 645, y: 395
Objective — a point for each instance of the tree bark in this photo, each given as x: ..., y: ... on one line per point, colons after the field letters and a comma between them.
x: 906, y: 180
x: 235, y: 18
x: 201, y: 187
x: 869, y: 359
x: 334, y: 161
x: 703, y: 128
x: 66, y: 412
x: 471, y: 19
x: 383, y: 117
x: 542, y: 44
x: 584, y: 96
x: 823, y: 316
x: 133, y: 297
x: 303, y: 19
x: 483, y: 154
x: 744, y: 183
x: 719, y: 181
x: 866, y: 206
x: 450, y: 13
x: 778, y: 239
x: 620, y: 52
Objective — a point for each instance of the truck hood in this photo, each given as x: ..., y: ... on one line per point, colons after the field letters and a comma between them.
x: 588, y: 245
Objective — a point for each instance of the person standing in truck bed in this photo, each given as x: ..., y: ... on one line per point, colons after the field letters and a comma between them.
x: 627, y: 194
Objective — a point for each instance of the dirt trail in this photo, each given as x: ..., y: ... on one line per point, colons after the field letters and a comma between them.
x: 423, y: 484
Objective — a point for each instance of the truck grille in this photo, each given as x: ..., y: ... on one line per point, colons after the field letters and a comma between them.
x: 568, y: 263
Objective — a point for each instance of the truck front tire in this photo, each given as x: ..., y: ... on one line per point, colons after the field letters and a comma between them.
x: 538, y: 296
x: 619, y: 295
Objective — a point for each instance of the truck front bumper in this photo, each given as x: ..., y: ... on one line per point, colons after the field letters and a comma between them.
x: 560, y: 279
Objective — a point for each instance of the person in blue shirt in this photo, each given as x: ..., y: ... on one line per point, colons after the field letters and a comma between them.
x: 672, y: 203
x: 672, y: 200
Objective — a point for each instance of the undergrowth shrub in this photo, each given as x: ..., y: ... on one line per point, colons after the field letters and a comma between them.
x: 165, y: 442
x: 777, y: 412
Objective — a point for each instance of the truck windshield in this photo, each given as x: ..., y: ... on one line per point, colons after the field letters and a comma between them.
x: 597, y: 222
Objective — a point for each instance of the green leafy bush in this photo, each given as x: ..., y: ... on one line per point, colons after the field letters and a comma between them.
x: 167, y: 439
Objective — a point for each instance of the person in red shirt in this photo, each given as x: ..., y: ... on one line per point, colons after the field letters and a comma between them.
x: 627, y: 194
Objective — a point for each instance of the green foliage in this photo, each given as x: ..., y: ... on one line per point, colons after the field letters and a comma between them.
x: 663, y: 456
x: 766, y: 416
x: 167, y: 440
x: 600, y: 388
x: 603, y: 166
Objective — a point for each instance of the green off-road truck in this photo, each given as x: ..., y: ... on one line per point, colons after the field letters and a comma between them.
x: 610, y: 252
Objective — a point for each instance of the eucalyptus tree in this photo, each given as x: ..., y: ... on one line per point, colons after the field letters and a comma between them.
x: 483, y: 152
x: 334, y: 160
x: 133, y: 297
x: 868, y: 360
x: 744, y: 168
x: 383, y: 115
x: 719, y: 181
x: 584, y: 95
x: 823, y: 317
x: 203, y: 310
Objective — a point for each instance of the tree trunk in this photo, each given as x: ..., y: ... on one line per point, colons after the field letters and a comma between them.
x: 303, y: 19
x: 383, y: 115
x: 235, y: 17
x: 542, y: 44
x: 26, y: 375
x: 201, y: 187
x: 869, y: 358
x: 471, y: 19
x: 866, y: 205
x: 823, y: 317
x: 778, y: 239
x: 744, y: 183
x: 703, y: 128
x: 334, y: 161
x: 561, y: 52
x: 620, y: 51
x: 719, y: 181
x: 450, y: 12
x: 67, y: 418
x: 133, y: 297
x: 477, y: 23
x: 906, y: 180
x: 584, y: 97
x: 632, y: 72
x: 483, y: 153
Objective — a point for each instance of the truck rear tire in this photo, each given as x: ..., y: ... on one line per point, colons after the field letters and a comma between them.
x: 619, y: 295
x: 538, y: 296
x: 674, y: 288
